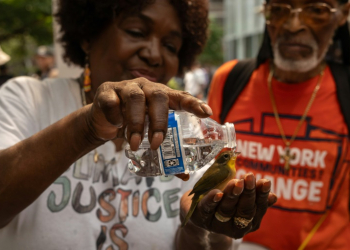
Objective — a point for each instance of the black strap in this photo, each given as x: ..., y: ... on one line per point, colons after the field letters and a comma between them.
x: 235, y: 82
x: 341, y: 76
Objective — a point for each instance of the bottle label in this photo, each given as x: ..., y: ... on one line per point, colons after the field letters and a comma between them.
x: 170, y: 150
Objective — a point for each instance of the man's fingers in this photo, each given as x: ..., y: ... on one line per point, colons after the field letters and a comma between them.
x: 272, y: 199
x: 227, y: 207
x: 246, y: 204
x: 263, y: 190
x: 206, y: 208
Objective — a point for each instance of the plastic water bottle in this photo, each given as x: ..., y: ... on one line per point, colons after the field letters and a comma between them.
x: 190, y: 143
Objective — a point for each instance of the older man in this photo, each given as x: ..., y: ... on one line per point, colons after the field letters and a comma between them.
x: 292, y: 122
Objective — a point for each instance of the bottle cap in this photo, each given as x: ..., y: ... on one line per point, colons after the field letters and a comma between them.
x: 231, y: 136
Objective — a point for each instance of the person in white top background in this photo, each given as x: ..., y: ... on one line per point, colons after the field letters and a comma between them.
x: 196, y: 81
x: 4, y: 59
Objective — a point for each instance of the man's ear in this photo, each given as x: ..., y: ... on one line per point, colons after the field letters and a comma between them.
x: 345, y: 14
x: 85, y: 45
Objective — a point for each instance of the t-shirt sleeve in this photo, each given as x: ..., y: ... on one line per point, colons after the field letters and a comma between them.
x: 18, y: 115
x: 216, y: 88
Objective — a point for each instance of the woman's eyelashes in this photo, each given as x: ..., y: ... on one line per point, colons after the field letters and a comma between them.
x: 136, y: 33
x: 172, y: 48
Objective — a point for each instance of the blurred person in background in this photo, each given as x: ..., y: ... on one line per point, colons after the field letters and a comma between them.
x: 65, y: 183
x: 45, y: 62
x: 4, y: 59
x: 209, y: 72
x: 291, y: 110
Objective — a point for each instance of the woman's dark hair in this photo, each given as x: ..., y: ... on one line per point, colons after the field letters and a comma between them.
x: 341, y: 42
x: 81, y: 20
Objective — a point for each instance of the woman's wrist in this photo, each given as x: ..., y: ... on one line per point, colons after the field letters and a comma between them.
x: 84, y: 131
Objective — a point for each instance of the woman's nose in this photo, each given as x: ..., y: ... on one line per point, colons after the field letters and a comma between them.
x: 151, y: 53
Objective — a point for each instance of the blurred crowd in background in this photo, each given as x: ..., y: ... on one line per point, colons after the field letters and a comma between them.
x: 43, y: 62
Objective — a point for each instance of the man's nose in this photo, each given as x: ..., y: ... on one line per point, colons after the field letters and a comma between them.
x: 294, y: 22
x: 151, y: 53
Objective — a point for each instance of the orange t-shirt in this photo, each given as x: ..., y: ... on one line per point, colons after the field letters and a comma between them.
x: 318, y: 179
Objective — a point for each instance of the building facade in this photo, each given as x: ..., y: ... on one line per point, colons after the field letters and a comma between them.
x: 243, y: 28
x: 216, y: 11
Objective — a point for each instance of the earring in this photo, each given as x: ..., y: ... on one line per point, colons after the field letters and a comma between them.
x: 87, y: 73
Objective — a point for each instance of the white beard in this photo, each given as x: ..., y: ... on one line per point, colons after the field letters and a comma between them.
x: 302, y: 65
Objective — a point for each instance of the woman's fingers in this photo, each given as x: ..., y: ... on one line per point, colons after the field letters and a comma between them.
x: 105, y: 117
x: 158, y: 108
x: 127, y: 103
x: 159, y: 99
x: 108, y: 101
x: 180, y: 100
x: 134, y: 104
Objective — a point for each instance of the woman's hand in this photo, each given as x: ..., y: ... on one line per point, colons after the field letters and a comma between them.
x: 243, y: 204
x: 119, y: 105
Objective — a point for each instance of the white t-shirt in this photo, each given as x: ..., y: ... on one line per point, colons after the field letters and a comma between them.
x: 92, y: 205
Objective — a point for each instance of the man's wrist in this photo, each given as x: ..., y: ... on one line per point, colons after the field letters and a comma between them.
x: 198, y: 238
x: 192, y: 237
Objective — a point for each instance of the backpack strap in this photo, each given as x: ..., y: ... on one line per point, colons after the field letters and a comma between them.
x: 341, y: 75
x: 234, y: 84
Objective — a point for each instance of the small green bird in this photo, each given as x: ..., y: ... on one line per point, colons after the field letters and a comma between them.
x: 216, y: 177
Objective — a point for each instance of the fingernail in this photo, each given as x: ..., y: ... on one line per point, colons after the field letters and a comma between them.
x: 218, y: 197
x: 206, y: 109
x: 157, y: 139
x: 135, y: 141
x: 249, y: 181
x: 274, y: 199
x: 238, y: 189
x: 120, y: 125
x: 184, y: 177
x: 266, y: 186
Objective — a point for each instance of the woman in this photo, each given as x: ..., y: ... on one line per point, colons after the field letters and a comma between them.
x: 64, y: 180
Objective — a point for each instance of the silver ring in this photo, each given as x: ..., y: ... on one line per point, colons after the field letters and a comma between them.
x: 221, y: 218
x: 242, y: 222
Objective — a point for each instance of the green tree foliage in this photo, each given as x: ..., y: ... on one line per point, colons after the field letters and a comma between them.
x: 213, y: 51
x: 24, y: 24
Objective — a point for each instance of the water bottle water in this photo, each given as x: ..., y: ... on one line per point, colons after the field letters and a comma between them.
x: 190, y: 143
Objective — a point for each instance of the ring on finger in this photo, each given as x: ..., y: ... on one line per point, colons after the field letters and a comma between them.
x: 221, y: 218
x: 242, y: 222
